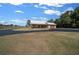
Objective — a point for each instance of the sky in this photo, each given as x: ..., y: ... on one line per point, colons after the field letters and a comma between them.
x: 18, y: 14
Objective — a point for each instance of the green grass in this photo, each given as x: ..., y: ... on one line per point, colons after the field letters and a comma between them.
x: 40, y: 43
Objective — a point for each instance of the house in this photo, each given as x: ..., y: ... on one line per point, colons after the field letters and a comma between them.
x: 42, y: 24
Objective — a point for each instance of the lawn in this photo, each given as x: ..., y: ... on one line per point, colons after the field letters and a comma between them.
x: 37, y: 43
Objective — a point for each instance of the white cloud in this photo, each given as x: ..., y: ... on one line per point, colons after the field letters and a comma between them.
x: 43, y: 18
x: 5, y: 22
x: 19, y: 2
x: 0, y: 5
x: 44, y: 7
x: 14, y: 21
x: 36, y: 6
x: 15, y: 3
x: 39, y: 18
x: 68, y: 9
x: 39, y: 6
x: 18, y: 21
x: 50, y: 12
x: 54, y: 4
x: 34, y: 17
x: 19, y: 11
x: 1, y: 21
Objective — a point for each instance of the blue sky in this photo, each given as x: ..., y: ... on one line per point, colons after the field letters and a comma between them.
x: 19, y: 14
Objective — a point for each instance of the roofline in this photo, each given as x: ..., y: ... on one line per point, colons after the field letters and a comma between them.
x: 43, y: 24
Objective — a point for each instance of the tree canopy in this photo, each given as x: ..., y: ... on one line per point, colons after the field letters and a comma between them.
x: 28, y: 22
x: 69, y: 19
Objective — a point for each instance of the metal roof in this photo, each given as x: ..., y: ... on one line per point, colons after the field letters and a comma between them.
x: 42, y: 22
x: 38, y: 22
x: 51, y: 23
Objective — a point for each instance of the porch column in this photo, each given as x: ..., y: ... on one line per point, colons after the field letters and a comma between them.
x: 40, y: 26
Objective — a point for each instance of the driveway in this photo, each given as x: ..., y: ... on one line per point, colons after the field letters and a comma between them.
x: 10, y: 31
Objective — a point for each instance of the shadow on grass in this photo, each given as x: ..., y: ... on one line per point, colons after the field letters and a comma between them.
x: 10, y: 31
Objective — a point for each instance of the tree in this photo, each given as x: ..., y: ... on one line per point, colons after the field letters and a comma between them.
x: 69, y: 19
x: 58, y: 22
x: 66, y: 19
x: 76, y: 13
x: 28, y: 22
x: 51, y: 20
x: 75, y: 17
